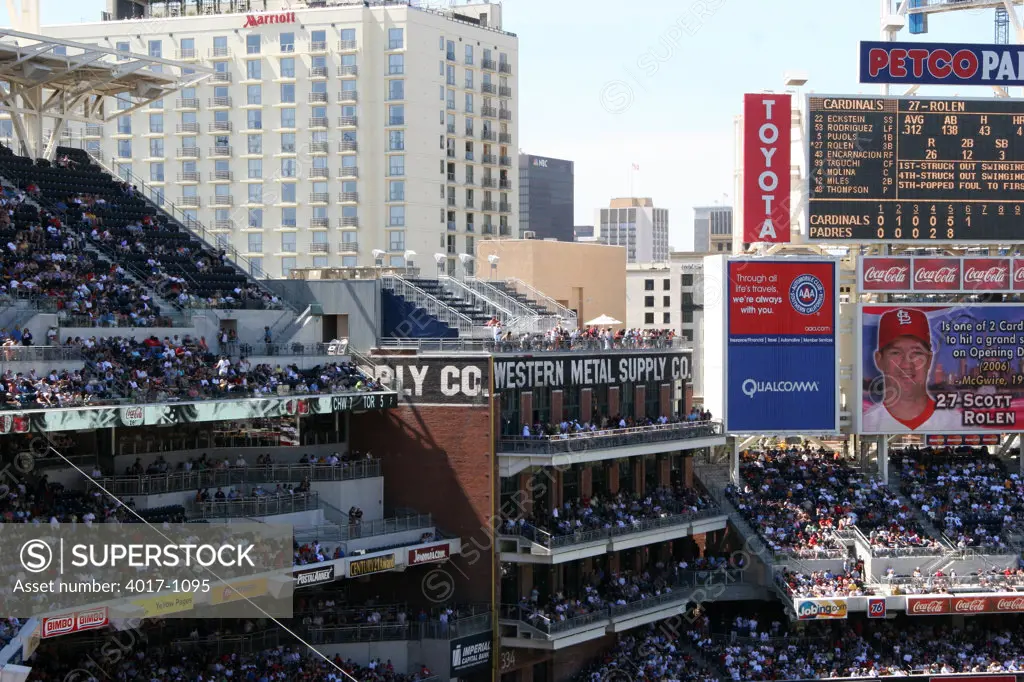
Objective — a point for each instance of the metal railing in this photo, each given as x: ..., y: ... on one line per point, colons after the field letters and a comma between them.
x: 611, y: 438
x: 365, y: 529
x: 515, y: 307
x: 555, y: 541
x: 453, y: 318
x: 255, y: 506
x: 40, y: 353
x: 180, y: 481
x: 551, y: 304
x: 472, y: 296
x: 549, y: 626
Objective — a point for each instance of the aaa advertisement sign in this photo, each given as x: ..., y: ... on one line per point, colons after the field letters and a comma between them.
x: 766, y: 161
x: 782, y: 372
x: 942, y: 369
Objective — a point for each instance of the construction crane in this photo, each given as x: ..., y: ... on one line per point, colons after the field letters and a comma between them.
x: 1002, y: 26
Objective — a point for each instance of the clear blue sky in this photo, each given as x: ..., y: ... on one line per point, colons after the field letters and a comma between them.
x: 608, y: 83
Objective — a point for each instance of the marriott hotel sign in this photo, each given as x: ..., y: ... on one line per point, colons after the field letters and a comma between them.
x: 584, y: 371
x: 252, y: 20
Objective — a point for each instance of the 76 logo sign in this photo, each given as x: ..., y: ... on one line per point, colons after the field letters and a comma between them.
x: 876, y: 608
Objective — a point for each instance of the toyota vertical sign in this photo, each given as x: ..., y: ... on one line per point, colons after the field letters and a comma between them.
x: 766, y: 162
x: 782, y: 371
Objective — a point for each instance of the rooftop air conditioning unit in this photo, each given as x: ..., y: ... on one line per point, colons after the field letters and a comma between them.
x: 529, y: 234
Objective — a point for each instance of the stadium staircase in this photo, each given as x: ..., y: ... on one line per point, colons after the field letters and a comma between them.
x: 448, y: 307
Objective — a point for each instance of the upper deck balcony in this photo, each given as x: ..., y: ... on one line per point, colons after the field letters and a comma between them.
x: 519, y: 452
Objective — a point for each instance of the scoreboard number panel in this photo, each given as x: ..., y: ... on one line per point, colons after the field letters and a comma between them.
x: 915, y: 169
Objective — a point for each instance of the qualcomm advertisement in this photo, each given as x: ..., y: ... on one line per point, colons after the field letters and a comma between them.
x: 782, y: 369
x: 942, y: 368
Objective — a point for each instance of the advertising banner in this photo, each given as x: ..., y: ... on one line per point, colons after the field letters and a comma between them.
x: 376, y: 564
x: 428, y: 555
x: 90, y: 619
x: 155, y: 607
x: 941, y: 63
x: 471, y: 653
x: 782, y: 372
x: 943, y: 369
x: 456, y: 380
x: 314, y: 576
x: 972, y: 439
x: 820, y: 609
x: 583, y: 371
x: 766, y: 162
x: 966, y: 606
x: 876, y: 607
x: 946, y: 274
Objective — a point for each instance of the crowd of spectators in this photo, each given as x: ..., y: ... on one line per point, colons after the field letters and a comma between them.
x: 846, y: 583
x: 622, y: 510
x: 687, y: 650
x: 585, y: 338
x: 9, y: 628
x: 161, y: 370
x: 965, y: 491
x: 992, y: 579
x: 797, y: 499
x: 570, y: 427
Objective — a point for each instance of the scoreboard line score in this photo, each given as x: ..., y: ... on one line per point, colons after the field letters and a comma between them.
x: 915, y: 169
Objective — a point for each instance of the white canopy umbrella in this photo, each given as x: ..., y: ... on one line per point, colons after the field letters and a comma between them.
x: 603, y: 321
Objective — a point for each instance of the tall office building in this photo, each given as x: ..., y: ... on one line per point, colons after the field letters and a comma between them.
x: 314, y: 141
x: 546, y: 203
x: 712, y: 229
x: 634, y: 223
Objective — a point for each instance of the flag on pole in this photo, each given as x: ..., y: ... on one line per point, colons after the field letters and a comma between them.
x: 636, y: 167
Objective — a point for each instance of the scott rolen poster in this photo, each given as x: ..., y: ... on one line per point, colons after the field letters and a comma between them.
x: 782, y: 370
x: 942, y: 368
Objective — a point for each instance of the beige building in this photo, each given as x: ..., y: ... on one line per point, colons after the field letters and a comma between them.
x: 587, y: 278
x: 634, y: 222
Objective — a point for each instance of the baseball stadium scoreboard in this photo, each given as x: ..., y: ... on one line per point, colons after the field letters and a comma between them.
x: 915, y: 169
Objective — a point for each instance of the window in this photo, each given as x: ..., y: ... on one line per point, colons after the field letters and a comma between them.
x: 688, y: 317
x: 469, y: 102
x: 123, y: 47
x: 287, y: 42
x: 288, y: 67
x: 156, y: 48
x: 348, y: 35
x: 319, y: 237
x: 255, y: 169
x: 288, y: 242
x: 253, y: 70
x: 319, y: 261
x: 255, y: 242
x: 156, y: 148
x: 288, y: 193
x: 396, y: 114
x: 469, y: 55
x: 256, y: 267
x: 220, y: 92
x: 256, y: 218
x: 666, y: 284
x: 396, y: 216
x: 287, y: 118
x: 255, y: 144
x: 316, y: 38
x: 396, y: 240
x: 396, y: 140
x: 156, y: 123
x: 396, y: 89
x: 287, y: 143
x: 666, y: 301
x: 349, y: 211
x: 396, y: 190
x: 687, y: 280
x: 288, y: 93
x: 124, y: 149
x: 288, y: 168
x: 648, y: 301
x: 124, y: 125
x: 288, y: 216
x: 395, y: 39
x: 287, y: 265
x: 450, y: 50
x: 252, y: 43
x: 396, y: 165
x: 156, y: 172
x: 254, y: 119
x: 396, y: 64
x: 254, y: 94
x: 220, y: 45
x: 469, y: 79
x: 648, y: 285
x: 256, y: 193
x: 648, y: 318
x: 666, y: 318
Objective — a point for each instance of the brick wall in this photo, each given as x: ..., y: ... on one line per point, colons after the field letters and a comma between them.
x: 437, y: 460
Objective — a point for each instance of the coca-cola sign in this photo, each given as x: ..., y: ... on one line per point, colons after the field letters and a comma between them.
x: 986, y: 274
x: 886, y: 274
x: 1007, y: 604
x: 936, y: 274
x: 1018, y: 274
x: 969, y: 604
x: 927, y: 606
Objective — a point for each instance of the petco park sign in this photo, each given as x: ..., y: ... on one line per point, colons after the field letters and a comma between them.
x: 253, y: 20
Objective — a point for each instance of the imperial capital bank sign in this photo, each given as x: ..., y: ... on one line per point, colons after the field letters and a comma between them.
x: 252, y: 20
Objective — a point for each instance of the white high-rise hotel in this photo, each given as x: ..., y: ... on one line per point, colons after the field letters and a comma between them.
x: 328, y: 130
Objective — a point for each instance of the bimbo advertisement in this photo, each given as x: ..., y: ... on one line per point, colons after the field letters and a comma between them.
x: 782, y: 371
x: 941, y: 368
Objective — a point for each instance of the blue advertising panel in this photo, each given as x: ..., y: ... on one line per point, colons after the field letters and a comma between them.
x: 941, y: 63
x: 782, y: 369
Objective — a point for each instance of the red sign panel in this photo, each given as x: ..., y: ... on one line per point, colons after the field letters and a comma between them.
x: 766, y: 161
x: 428, y: 555
x: 1011, y: 604
x: 976, y: 678
x: 91, y: 619
x: 927, y: 606
x: 876, y: 607
x: 885, y: 274
x: 986, y: 274
x: 781, y: 298
x: 970, y: 439
x: 936, y: 274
